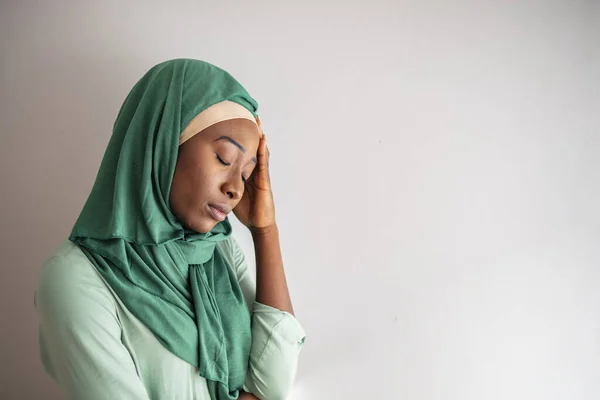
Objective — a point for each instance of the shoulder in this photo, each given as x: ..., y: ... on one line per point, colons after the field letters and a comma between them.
x: 230, y: 249
x: 228, y: 245
x: 69, y: 269
x: 68, y: 284
x: 233, y: 254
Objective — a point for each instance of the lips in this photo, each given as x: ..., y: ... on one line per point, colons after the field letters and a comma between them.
x: 219, y: 211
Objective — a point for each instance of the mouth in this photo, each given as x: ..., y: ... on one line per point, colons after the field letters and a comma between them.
x: 219, y: 211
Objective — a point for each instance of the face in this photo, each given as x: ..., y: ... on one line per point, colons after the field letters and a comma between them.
x: 210, y: 172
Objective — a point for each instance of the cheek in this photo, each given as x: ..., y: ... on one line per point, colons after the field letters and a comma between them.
x: 198, y: 186
x: 195, y: 182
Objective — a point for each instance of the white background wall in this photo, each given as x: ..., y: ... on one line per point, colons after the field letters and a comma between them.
x: 435, y: 165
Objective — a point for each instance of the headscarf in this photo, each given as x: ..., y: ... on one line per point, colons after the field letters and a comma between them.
x: 169, y: 277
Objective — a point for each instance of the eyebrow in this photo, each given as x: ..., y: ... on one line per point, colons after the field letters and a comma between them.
x: 236, y: 144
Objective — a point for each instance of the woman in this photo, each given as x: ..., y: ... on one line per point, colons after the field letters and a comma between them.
x: 151, y: 297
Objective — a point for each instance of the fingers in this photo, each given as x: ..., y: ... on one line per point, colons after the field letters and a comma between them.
x: 260, y: 129
x: 262, y: 169
x: 263, y: 152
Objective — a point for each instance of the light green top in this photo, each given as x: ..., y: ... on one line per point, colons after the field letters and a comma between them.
x: 96, y: 349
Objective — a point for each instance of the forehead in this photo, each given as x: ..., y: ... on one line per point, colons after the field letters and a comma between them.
x: 242, y: 130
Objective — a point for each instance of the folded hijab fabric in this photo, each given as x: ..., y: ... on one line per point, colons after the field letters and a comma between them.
x: 171, y: 278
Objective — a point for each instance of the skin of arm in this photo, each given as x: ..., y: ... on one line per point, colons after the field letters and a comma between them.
x: 256, y: 210
x: 247, y: 396
x: 271, y: 285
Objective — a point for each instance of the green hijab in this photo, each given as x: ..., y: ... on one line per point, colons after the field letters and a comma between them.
x: 172, y: 279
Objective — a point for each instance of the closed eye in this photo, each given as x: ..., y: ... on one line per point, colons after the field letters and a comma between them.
x: 244, y: 179
x: 222, y: 161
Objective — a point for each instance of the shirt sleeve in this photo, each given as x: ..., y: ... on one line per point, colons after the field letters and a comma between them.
x: 80, y: 334
x: 277, y: 338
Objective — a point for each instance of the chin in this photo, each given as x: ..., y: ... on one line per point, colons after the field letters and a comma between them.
x: 202, y: 226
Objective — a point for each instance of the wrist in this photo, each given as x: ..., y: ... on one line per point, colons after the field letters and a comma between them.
x: 264, y: 231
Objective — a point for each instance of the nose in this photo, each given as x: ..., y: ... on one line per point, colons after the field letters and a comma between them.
x: 233, y: 188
